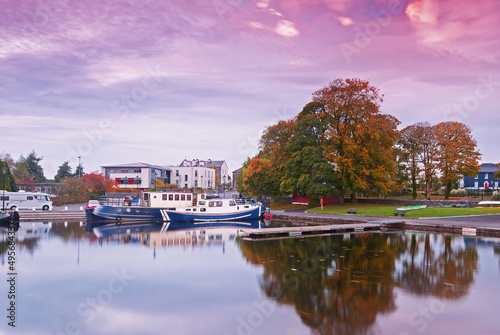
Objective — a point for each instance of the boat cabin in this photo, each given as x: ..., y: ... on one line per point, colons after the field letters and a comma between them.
x: 171, y: 199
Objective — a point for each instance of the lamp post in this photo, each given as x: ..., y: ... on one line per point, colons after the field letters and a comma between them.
x: 79, y: 167
x: 3, y: 196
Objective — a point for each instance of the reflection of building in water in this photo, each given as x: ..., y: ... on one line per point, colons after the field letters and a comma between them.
x: 185, y: 238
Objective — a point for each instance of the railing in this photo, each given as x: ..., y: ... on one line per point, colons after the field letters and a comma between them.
x: 123, y: 201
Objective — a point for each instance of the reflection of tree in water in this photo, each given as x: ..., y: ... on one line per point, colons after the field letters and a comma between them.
x: 337, y: 285
x: 437, y: 265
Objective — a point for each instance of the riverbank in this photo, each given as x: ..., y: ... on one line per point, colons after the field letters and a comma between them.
x: 475, y: 225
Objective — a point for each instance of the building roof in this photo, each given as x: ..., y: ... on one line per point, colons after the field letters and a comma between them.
x: 198, y: 163
x: 137, y: 165
x: 489, y: 168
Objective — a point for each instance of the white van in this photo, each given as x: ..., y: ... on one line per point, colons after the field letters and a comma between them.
x: 25, y: 200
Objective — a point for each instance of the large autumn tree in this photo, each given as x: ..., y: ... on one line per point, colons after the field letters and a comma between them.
x: 308, y: 172
x: 359, y: 139
x: 457, y: 153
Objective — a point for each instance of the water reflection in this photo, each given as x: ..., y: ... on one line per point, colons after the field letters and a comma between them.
x: 340, y: 284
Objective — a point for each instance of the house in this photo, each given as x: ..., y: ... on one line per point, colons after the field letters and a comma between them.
x: 137, y: 175
x: 485, y: 179
x: 200, y: 173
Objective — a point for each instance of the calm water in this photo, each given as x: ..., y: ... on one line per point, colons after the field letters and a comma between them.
x: 206, y: 281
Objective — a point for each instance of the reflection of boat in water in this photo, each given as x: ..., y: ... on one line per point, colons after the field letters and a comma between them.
x: 174, y: 206
x: 157, y: 234
x: 10, y: 220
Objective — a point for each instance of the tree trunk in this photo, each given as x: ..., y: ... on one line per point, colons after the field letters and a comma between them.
x: 341, y: 198
x: 353, y: 198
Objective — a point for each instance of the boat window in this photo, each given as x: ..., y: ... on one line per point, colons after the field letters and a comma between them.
x: 194, y: 209
x: 176, y: 197
x: 203, y: 209
x: 215, y: 204
x: 201, y: 203
x: 247, y: 206
x: 211, y: 204
x: 232, y: 203
x: 164, y: 197
x: 183, y: 197
x: 188, y: 197
x: 188, y: 209
x: 170, y: 197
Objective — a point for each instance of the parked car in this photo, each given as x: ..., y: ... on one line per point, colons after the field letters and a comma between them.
x: 92, y: 204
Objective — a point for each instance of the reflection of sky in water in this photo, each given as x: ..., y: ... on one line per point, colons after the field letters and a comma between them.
x: 206, y: 289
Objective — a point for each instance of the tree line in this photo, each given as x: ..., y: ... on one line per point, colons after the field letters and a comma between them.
x: 341, y: 144
x: 28, y: 172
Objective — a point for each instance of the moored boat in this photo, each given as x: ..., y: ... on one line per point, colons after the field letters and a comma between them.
x: 173, y: 206
x: 10, y: 220
x: 216, y: 210
x: 488, y: 204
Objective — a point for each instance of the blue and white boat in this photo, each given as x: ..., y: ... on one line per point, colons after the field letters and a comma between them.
x: 173, y: 206
x: 216, y: 210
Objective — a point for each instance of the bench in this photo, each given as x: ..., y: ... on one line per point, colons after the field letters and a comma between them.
x: 401, y: 212
x: 352, y: 211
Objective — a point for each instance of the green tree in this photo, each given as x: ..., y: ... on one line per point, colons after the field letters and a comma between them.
x: 79, y: 171
x: 359, y: 139
x: 7, y: 181
x: 64, y: 171
x: 34, y: 168
x: 308, y: 172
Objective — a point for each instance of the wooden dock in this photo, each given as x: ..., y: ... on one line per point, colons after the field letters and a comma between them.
x: 283, y: 232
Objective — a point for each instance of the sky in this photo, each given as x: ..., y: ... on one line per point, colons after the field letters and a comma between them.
x: 121, y: 81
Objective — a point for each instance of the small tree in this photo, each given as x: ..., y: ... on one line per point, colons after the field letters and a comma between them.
x: 64, y: 171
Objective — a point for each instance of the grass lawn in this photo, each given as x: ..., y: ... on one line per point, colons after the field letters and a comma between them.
x: 381, y: 210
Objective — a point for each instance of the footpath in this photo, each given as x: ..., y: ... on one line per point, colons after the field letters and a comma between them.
x: 477, y: 225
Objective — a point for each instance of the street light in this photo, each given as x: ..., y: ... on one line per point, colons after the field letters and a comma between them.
x: 3, y: 196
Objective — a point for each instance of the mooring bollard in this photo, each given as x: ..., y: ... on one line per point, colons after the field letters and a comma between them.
x: 81, y: 208
x: 34, y: 209
x: 65, y: 208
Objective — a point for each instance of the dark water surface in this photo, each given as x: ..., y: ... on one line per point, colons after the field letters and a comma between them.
x: 132, y: 280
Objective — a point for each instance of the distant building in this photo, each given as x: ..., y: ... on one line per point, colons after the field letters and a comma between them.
x: 200, y: 173
x: 235, y: 174
x: 485, y: 178
x: 137, y: 175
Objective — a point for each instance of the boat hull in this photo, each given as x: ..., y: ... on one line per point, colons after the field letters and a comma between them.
x: 106, y: 213
x: 249, y: 214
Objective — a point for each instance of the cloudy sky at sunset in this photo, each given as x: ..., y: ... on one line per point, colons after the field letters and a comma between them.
x: 119, y: 81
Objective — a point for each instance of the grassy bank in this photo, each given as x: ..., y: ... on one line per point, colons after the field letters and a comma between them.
x: 381, y: 210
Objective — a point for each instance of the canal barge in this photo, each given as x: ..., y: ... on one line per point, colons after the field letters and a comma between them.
x: 173, y: 206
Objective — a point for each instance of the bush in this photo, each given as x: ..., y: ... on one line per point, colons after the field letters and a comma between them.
x: 496, y: 196
x: 458, y: 193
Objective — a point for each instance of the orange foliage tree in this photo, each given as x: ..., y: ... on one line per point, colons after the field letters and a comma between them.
x: 97, y: 184
x: 266, y: 171
x: 359, y: 141
x: 457, y: 153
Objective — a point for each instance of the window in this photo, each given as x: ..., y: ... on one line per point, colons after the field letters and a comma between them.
x: 202, y: 203
x: 185, y: 185
x: 177, y: 173
x: 29, y: 197
x: 164, y: 197
x: 171, y: 197
x: 176, y: 197
x: 196, y: 183
x: 186, y: 177
x: 6, y: 198
x: 183, y: 197
x: 485, y: 176
x: 137, y: 170
x: 196, y: 173
x: 124, y: 170
x: 232, y: 203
